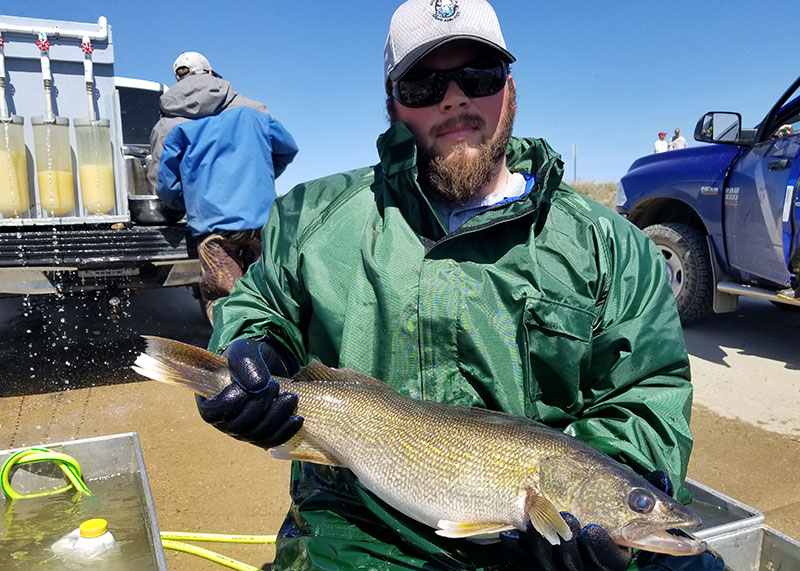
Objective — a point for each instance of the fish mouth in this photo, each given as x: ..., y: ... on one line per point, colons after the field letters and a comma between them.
x: 670, y: 542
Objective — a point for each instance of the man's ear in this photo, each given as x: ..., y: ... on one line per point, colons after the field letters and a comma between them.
x: 514, y: 86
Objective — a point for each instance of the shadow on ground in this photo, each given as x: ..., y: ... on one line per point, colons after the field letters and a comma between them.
x: 757, y: 328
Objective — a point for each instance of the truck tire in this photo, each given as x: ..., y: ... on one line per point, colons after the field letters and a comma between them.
x: 685, y: 251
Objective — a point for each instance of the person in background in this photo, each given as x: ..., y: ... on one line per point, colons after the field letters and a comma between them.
x: 460, y: 268
x: 661, y: 145
x: 677, y: 141
x: 216, y: 155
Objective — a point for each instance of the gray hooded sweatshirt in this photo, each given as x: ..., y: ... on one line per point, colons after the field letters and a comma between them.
x: 193, y: 97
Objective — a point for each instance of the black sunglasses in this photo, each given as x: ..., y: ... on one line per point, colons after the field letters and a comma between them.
x: 424, y: 87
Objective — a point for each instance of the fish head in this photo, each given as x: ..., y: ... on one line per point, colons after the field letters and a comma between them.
x: 631, y: 510
x: 634, y: 512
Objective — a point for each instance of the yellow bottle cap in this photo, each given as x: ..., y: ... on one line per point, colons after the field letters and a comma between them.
x: 93, y: 528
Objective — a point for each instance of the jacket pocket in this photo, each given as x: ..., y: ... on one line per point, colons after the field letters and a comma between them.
x: 559, y: 340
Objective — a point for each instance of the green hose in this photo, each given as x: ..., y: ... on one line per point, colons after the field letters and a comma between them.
x: 68, y: 465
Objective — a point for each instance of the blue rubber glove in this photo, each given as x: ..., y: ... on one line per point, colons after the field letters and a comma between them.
x: 590, y: 549
x: 252, y: 408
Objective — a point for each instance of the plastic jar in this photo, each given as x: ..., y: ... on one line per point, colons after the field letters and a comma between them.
x: 53, y: 165
x: 14, y: 197
x: 95, y: 171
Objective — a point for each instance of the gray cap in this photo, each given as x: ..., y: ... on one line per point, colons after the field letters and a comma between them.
x: 420, y: 26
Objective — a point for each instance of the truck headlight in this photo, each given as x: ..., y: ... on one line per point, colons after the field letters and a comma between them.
x: 621, y: 198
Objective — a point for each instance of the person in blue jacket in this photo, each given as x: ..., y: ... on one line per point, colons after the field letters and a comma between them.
x: 216, y: 155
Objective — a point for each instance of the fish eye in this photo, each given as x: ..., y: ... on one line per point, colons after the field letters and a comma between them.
x: 641, y: 501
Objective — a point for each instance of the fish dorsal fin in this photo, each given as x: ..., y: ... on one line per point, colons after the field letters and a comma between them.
x: 304, y: 450
x: 545, y: 518
x: 316, y: 371
x: 458, y: 530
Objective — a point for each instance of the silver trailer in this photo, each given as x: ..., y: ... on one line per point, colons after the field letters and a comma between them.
x: 77, y: 215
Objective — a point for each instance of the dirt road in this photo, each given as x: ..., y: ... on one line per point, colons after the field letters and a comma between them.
x: 745, y: 419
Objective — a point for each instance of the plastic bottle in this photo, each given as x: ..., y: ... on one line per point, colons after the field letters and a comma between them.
x: 90, y: 541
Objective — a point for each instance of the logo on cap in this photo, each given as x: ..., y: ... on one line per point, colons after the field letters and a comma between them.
x: 445, y: 10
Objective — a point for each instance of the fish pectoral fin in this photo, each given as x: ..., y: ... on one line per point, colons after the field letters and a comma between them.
x: 454, y: 529
x: 304, y: 450
x: 545, y: 518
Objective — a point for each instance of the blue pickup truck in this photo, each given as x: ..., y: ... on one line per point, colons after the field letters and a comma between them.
x: 726, y: 216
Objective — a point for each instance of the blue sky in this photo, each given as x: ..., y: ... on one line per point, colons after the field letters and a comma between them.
x: 600, y: 75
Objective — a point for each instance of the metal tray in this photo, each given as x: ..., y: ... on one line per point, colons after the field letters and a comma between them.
x: 101, y: 459
x: 720, y: 513
x: 759, y: 548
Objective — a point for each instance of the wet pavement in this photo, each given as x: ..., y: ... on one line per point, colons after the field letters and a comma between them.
x: 61, y: 380
x: 54, y: 344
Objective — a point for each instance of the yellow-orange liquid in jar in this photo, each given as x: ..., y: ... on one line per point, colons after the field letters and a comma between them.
x: 55, y: 191
x: 97, y: 188
x: 13, y: 183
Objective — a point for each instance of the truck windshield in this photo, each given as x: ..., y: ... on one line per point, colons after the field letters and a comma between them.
x: 140, y: 112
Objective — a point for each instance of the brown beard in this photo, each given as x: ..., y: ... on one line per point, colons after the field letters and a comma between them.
x: 460, y: 176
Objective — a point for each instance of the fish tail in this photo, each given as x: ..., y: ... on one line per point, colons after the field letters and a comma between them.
x: 173, y: 362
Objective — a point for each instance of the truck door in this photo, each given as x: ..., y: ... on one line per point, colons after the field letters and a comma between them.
x: 139, y: 112
x: 759, y: 210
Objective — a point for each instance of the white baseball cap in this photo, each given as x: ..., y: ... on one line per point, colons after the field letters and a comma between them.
x: 195, y: 61
x: 420, y: 26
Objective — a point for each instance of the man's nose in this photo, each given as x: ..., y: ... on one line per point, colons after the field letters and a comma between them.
x: 454, y: 97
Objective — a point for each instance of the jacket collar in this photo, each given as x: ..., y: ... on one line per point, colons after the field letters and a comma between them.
x: 197, y: 96
x: 397, y: 150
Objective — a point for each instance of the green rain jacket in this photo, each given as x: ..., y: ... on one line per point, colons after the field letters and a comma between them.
x: 550, y: 306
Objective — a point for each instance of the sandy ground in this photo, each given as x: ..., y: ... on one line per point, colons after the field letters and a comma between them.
x: 745, y: 418
x: 746, y: 365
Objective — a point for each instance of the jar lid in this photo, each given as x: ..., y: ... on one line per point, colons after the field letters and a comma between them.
x: 93, y: 527
x: 13, y: 119
x: 82, y: 122
x: 40, y: 120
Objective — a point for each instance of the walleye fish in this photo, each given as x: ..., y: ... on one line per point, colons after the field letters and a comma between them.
x: 466, y: 472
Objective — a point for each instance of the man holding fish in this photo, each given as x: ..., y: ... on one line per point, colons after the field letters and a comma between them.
x: 460, y: 269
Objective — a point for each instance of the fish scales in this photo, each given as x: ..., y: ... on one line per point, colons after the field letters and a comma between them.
x: 424, y: 458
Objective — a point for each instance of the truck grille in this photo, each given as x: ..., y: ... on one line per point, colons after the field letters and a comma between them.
x: 91, y: 245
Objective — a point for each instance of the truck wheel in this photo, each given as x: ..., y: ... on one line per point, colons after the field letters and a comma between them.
x: 686, y: 252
